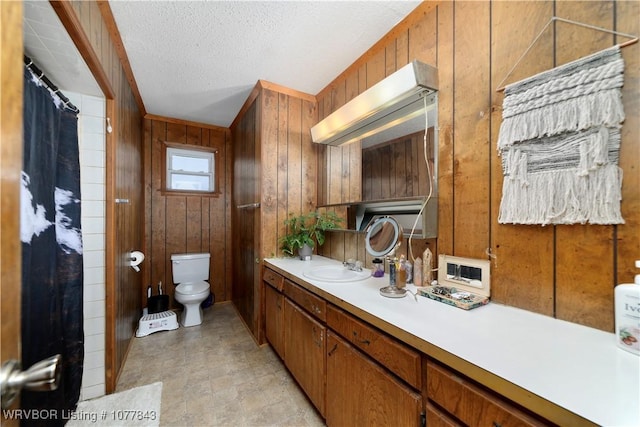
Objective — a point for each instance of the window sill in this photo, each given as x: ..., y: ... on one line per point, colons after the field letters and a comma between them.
x: 184, y: 193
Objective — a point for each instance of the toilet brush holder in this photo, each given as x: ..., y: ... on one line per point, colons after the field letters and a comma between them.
x: 157, y: 303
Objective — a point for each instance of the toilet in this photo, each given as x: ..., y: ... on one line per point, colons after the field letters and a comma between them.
x: 190, y: 272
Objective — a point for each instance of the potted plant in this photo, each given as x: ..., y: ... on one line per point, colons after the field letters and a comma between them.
x: 305, y: 230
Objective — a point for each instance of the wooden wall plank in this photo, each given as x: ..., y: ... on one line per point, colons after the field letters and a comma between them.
x: 446, y: 69
x: 271, y: 178
x: 376, y: 68
x: 402, y: 49
x: 581, y: 249
x: 628, y: 237
x: 194, y: 224
x: 194, y: 135
x: 308, y: 156
x: 522, y: 274
x: 471, y: 133
x: 157, y: 223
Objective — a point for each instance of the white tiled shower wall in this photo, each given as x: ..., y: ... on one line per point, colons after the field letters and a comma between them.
x: 91, y: 140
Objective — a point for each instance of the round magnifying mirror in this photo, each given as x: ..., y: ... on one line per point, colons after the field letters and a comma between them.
x: 382, y: 236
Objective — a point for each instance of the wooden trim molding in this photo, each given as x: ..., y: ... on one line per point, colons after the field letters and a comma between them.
x: 72, y: 24
x: 148, y: 116
x: 263, y: 84
x: 286, y: 91
x: 111, y: 368
x: 114, y: 33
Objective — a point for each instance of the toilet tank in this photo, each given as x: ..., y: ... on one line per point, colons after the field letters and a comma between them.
x: 190, y: 267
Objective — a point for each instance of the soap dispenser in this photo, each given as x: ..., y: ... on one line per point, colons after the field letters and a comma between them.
x: 627, y: 305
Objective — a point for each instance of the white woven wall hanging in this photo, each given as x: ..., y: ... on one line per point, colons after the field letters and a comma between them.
x: 560, y: 144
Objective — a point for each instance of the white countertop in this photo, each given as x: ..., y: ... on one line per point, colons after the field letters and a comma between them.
x: 576, y: 367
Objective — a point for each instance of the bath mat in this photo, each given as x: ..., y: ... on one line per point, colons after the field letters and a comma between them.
x: 560, y: 142
x: 138, y: 406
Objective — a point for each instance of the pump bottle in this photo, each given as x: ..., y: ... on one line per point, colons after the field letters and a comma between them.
x: 627, y: 307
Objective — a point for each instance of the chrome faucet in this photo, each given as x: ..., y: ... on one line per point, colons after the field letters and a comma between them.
x: 353, y: 265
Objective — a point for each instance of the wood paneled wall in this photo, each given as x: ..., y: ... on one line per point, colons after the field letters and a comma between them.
x: 568, y: 272
x: 397, y: 168
x: 179, y: 223
x: 124, y: 181
x: 275, y: 166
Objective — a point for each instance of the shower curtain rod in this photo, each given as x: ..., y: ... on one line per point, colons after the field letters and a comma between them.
x: 28, y: 62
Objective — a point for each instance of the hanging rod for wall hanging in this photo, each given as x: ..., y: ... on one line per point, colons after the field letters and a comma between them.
x: 28, y: 62
x: 633, y: 40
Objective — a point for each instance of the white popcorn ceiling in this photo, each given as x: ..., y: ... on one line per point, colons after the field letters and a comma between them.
x: 199, y: 60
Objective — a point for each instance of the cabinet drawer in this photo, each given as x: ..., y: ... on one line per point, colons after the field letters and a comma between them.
x: 471, y: 404
x: 273, y: 278
x: 391, y: 353
x: 305, y: 299
x: 435, y: 418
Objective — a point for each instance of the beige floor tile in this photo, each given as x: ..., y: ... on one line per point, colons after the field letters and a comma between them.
x: 214, y: 374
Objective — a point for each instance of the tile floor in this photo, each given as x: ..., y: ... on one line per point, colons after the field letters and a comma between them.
x: 229, y: 381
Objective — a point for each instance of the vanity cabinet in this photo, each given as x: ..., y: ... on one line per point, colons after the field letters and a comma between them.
x: 274, y: 310
x: 274, y: 319
x: 462, y: 399
x: 356, y: 374
x: 304, y: 349
x: 397, y: 357
x: 361, y: 392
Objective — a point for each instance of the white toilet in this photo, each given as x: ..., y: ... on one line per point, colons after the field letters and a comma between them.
x: 190, y: 272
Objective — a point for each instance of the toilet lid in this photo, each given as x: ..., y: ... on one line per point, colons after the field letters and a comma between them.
x: 192, y: 288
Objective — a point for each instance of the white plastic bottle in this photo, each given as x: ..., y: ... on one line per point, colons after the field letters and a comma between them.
x: 627, y: 303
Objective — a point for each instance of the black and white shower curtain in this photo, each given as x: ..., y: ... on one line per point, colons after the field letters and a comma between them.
x: 52, y: 278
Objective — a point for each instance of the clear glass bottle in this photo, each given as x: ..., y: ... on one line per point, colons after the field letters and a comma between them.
x: 378, y: 268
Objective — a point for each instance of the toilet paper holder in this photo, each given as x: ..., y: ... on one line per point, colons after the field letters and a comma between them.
x: 135, y: 259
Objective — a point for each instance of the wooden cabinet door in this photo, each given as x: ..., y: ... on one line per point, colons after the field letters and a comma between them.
x: 471, y: 404
x: 360, y: 392
x: 304, y: 350
x: 274, y: 318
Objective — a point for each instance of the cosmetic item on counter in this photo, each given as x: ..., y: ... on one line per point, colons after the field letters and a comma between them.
x: 392, y: 272
x: 427, y: 267
x: 378, y: 268
x: 409, y: 268
x: 417, y: 272
x: 627, y: 307
x: 401, y: 272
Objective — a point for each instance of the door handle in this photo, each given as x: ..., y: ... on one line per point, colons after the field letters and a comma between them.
x: 42, y: 376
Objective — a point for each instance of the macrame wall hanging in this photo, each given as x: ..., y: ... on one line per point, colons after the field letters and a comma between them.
x: 560, y: 143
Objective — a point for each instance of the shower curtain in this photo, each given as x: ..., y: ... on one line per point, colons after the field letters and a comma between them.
x: 52, y: 278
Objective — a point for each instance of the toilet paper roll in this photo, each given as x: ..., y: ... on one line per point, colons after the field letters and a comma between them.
x: 136, y: 258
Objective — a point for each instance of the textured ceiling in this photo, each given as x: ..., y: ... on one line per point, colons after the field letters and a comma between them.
x: 199, y: 60
x: 47, y: 43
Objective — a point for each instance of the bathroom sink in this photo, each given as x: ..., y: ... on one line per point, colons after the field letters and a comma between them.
x: 336, y: 273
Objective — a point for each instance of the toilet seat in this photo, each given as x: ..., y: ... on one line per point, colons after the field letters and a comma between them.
x: 192, y: 288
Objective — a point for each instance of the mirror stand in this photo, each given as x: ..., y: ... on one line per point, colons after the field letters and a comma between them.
x: 382, y: 238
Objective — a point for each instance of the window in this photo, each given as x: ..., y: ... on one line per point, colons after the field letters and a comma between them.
x: 190, y: 170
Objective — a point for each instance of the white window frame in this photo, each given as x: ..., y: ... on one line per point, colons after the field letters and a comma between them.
x: 197, y: 154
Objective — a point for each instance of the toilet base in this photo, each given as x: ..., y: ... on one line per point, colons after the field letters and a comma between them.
x: 191, y: 315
